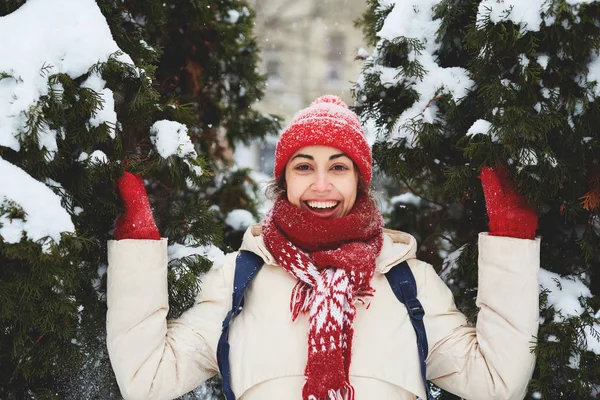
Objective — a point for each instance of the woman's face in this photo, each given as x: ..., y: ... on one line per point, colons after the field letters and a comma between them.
x: 321, y: 180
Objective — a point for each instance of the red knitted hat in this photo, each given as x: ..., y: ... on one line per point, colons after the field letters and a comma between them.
x: 327, y: 122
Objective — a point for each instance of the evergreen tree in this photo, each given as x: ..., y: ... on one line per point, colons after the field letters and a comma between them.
x: 455, y: 85
x: 168, y: 101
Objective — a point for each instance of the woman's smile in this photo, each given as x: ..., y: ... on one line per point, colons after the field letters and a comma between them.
x: 322, y: 208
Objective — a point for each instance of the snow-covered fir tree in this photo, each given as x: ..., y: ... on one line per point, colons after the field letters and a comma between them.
x: 88, y: 89
x: 455, y: 85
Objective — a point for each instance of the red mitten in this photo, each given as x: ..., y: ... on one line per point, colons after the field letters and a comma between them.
x: 509, y: 213
x: 137, y: 221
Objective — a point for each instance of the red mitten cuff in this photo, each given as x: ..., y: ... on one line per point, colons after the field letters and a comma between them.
x: 517, y: 223
x: 508, y: 211
x: 137, y: 222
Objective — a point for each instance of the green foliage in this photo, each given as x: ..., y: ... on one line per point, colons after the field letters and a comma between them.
x: 372, y: 20
x: 193, y: 64
x: 532, y: 87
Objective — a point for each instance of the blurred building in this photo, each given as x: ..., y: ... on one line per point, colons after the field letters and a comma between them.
x: 308, y: 49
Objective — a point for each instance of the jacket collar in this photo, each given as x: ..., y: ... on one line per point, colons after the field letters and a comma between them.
x: 397, y: 247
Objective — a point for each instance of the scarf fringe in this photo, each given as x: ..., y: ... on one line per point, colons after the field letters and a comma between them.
x: 302, y: 298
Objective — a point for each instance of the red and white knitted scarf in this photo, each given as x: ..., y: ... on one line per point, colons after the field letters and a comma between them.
x: 334, y: 261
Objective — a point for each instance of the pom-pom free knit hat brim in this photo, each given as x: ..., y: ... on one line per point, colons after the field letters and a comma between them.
x: 326, y: 122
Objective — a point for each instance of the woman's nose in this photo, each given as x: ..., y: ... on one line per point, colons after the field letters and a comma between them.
x: 321, y: 183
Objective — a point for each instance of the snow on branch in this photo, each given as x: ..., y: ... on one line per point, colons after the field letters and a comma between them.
x: 68, y: 37
x: 43, y: 214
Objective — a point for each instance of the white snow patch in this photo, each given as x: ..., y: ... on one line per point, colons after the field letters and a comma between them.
x: 406, y: 198
x: 240, y: 219
x: 523, y: 60
x: 45, y: 217
x: 527, y: 13
x: 107, y: 113
x: 58, y: 42
x: 482, y: 127
x: 591, y: 335
x: 564, y: 294
x: 450, y: 262
x: 362, y: 53
x: 47, y: 139
x: 593, y: 74
x: 171, y: 139
x: 99, y: 157
x: 430, y: 113
x: 543, y: 59
x: 211, y: 252
x: 528, y: 157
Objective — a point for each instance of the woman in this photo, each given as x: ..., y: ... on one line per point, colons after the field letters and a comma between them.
x: 320, y: 320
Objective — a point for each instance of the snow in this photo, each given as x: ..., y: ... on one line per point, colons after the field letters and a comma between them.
x: 171, y: 139
x: 592, y: 334
x: 58, y: 42
x: 564, y: 294
x: 234, y: 15
x: 525, y: 13
x: 483, y: 127
x: 406, y: 198
x: 240, y: 219
x: 527, y: 157
x: 211, y: 252
x: 523, y: 60
x: 99, y: 157
x: 362, y: 53
x: 593, y: 74
x: 414, y: 19
x: 45, y: 217
x: 411, y: 19
x: 543, y: 59
x: 451, y: 262
x: 107, y: 114
x: 47, y: 139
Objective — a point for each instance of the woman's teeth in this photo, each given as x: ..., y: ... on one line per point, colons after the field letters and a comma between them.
x: 322, y: 204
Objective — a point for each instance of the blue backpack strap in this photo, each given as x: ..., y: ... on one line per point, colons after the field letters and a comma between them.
x: 247, y: 265
x: 403, y: 284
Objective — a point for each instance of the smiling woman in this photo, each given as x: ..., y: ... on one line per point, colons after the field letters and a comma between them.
x: 319, y: 279
x: 322, y: 180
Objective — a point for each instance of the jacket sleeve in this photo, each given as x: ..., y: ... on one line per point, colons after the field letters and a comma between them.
x: 494, y: 359
x: 154, y: 358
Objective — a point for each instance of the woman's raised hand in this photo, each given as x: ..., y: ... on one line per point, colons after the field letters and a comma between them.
x: 509, y: 213
x: 137, y: 222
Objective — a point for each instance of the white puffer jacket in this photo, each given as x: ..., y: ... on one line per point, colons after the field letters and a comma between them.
x: 158, y: 359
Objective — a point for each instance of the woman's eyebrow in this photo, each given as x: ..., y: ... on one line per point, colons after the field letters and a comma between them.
x: 303, y: 156
x: 332, y: 157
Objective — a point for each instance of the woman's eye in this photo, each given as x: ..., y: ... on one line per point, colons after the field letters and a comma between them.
x: 340, y: 167
x: 302, y: 167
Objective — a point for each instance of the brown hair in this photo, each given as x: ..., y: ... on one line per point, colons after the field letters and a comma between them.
x: 276, y: 188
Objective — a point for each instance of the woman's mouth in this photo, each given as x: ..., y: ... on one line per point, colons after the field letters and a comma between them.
x: 323, y: 209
